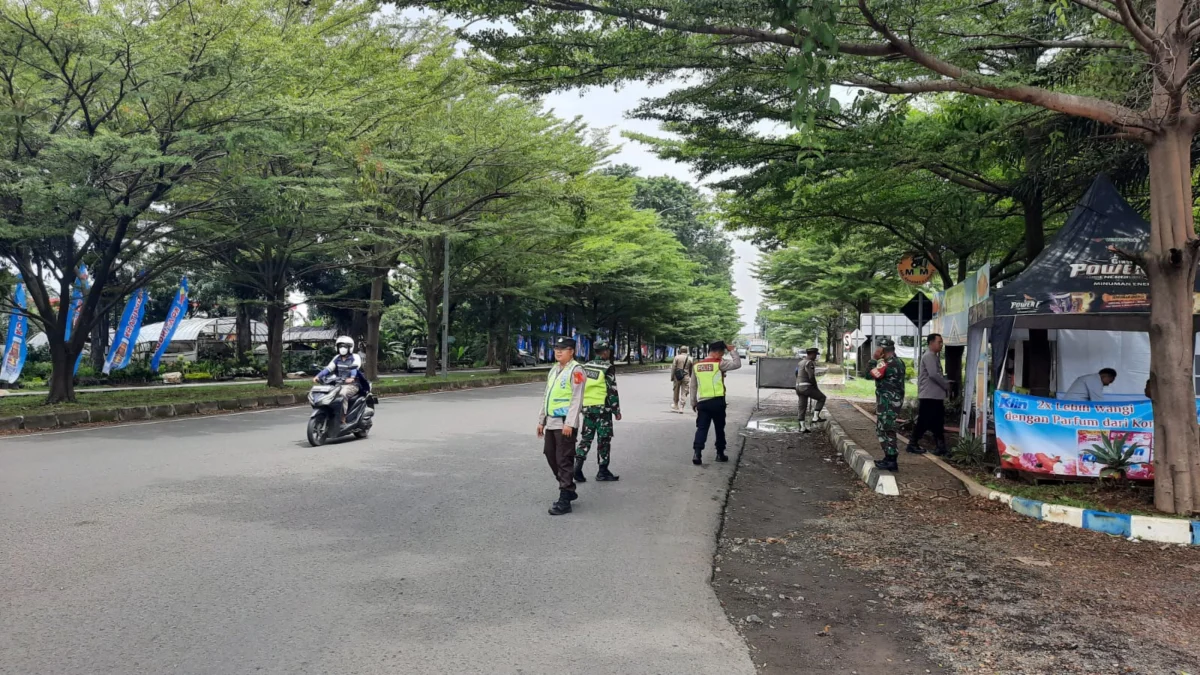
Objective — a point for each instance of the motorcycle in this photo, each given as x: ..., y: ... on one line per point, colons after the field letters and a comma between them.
x: 325, y: 424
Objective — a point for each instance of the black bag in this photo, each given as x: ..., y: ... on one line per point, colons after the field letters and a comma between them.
x: 682, y: 373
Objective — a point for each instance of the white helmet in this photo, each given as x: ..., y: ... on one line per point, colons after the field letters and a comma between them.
x: 346, y: 342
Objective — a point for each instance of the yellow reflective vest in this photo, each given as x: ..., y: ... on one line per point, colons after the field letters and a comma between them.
x: 558, y: 391
x: 710, y: 381
x: 595, y: 385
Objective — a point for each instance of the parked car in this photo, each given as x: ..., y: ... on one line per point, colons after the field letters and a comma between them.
x: 417, y: 359
x: 524, y: 358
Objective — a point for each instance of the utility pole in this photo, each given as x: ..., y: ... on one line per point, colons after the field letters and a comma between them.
x: 446, y: 307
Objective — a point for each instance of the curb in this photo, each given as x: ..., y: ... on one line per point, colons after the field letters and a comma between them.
x: 862, y: 462
x: 60, y: 420
x: 1149, y: 528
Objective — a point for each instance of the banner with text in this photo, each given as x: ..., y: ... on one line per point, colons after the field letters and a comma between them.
x: 1063, y: 437
x: 125, y: 339
x: 174, y: 315
x: 15, y: 346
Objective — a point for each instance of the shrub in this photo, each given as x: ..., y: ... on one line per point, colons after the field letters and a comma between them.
x: 197, y: 376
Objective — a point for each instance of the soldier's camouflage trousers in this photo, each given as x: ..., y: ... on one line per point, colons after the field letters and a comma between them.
x: 599, y: 427
x: 887, y: 409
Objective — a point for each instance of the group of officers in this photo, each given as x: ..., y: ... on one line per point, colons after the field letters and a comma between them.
x: 581, y: 399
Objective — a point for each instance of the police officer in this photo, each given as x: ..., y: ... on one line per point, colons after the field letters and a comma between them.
x: 708, y: 397
x: 559, y: 417
x: 806, y: 388
x: 889, y: 373
x: 601, y: 404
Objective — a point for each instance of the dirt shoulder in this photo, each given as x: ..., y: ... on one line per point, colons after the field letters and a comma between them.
x: 959, y: 585
x: 773, y: 564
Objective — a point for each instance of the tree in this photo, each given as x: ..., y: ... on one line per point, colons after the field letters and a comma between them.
x: 1140, y: 70
x: 107, y: 110
x: 442, y: 177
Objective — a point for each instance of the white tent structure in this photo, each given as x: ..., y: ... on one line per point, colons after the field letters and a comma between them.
x: 189, y: 336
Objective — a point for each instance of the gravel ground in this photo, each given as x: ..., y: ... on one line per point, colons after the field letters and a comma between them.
x: 962, y: 586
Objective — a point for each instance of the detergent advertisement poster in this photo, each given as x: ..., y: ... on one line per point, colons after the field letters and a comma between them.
x: 1064, y: 438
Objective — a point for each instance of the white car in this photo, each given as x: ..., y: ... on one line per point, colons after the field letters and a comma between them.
x: 417, y: 359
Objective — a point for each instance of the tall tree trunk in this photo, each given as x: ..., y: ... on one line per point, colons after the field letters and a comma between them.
x: 433, y: 321
x: 276, y: 312
x: 1170, y: 265
x: 62, y: 372
x: 100, y: 342
x: 244, y: 344
x: 374, y: 318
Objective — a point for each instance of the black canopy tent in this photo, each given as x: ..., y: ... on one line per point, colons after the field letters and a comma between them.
x: 1078, y: 282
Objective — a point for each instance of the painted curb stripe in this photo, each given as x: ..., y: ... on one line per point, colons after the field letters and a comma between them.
x: 1108, y: 523
x: 1026, y: 507
x: 861, y: 462
x: 1065, y: 515
x: 1167, y: 530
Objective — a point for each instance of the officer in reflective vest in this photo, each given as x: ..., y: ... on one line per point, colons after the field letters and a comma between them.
x: 559, y: 417
x: 601, y: 404
x: 708, y: 397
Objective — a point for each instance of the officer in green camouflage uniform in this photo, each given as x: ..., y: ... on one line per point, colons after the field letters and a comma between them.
x: 889, y: 373
x: 599, y: 409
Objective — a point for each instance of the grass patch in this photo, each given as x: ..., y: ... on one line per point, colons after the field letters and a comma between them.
x: 85, y: 399
x: 12, y: 406
x: 863, y: 388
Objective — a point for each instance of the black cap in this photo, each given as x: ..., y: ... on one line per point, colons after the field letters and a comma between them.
x: 718, y: 346
x: 812, y: 350
x: 601, y: 347
x: 886, y: 343
x: 564, y: 342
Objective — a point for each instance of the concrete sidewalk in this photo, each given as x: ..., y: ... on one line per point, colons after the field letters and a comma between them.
x: 918, y: 476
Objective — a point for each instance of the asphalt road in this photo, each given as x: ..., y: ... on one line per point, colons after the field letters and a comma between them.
x: 225, y: 545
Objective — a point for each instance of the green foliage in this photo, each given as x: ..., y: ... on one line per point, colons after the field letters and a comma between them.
x: 1113, y: 454
x: 969, y: 451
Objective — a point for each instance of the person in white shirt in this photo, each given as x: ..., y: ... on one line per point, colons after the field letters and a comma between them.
x: 1091, y: 387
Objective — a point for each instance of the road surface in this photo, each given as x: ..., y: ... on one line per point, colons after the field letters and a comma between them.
x: 225, y: 545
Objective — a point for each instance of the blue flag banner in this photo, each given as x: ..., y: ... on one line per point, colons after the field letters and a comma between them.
x: 14, y: 346
x: 127, y: 332
x: 174, y: 316
x: 81, y: 286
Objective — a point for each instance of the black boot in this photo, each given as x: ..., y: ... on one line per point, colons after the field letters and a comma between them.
x: 605, y: 474
x: 888, y: 463
x: 563, y: 505
x: 940, y: 449
x: 571, y: 495
x: 579, y: 477
x: 915, y: 449
x: 696, y: 458
x: 721, y: 456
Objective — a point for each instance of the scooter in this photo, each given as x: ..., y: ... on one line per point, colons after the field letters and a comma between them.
x: 325, y: 424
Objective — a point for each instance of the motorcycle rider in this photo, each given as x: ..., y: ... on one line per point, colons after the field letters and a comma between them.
x: 345, y: 365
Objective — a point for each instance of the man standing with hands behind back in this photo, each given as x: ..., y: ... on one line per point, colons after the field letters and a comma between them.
x: 708, y: 397
x: 558, y: 419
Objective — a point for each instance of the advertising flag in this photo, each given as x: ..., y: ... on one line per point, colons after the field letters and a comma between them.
x: 174, y: 316
x: 14, y: 345
x: 81, y: 286
x: 127, y: 332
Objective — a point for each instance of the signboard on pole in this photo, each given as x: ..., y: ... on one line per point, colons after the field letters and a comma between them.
x: 914, y: 269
